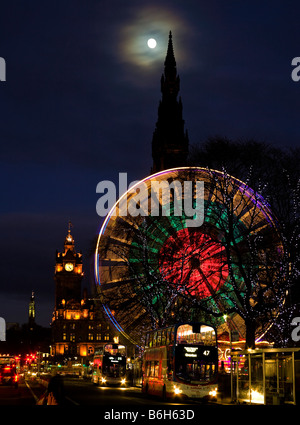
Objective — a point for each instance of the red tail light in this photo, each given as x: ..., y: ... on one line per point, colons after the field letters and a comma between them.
x: 7, y: 369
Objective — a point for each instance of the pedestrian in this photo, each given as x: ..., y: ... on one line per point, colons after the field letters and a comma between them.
x: 55, y: 390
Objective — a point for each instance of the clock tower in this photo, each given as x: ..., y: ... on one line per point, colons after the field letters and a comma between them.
x: 77, y: 325
x: 68, y: 273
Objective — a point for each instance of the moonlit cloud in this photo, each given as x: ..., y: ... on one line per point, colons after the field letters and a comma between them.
x: 152, y: 23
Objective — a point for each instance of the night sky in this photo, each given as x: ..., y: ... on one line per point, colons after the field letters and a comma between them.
x: 80, y: 105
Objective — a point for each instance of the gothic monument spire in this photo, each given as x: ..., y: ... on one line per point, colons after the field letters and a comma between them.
x: 170, y: 140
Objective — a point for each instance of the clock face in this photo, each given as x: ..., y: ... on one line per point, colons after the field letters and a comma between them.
x: 69, y: 267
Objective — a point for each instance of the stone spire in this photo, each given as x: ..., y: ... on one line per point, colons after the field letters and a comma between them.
x: 170, y: 140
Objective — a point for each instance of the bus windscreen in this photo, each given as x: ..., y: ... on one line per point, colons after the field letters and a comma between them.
x: 195, y: 364
x: 114, y: 365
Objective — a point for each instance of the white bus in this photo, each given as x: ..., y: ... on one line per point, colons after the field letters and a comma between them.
x: 109, y: 365
x: 181, y: 360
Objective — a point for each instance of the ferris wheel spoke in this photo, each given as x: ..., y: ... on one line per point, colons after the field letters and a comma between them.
x: 118, y: 283
x: 133, y: 322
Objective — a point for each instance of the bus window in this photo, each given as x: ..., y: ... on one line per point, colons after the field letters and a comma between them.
x: 172, y: 332
x: 163, y: 337
x: 154, y: 339
x: 158, y: 339
x: 150, y: 340
x: 156, y: 369
x: 186, y: 335
x: 196, y: 371
x: 168, y: 336
x: 208, y: 335
x: 148, y: 368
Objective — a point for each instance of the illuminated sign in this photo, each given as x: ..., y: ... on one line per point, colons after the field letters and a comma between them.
x: 115, y: 359
x: 193, y: 352
x: 190, y: 351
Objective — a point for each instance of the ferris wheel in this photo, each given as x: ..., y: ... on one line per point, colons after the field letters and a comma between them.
x: 154, y: 266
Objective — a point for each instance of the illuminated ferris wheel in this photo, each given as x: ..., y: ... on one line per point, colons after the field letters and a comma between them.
x: 153, y: 265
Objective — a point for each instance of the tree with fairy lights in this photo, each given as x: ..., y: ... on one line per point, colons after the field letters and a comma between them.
x: 273, y: 172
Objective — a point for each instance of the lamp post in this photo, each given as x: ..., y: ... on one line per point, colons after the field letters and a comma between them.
x: 225, y: 317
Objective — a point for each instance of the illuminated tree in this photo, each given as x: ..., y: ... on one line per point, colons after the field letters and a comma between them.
x: 273, y: 172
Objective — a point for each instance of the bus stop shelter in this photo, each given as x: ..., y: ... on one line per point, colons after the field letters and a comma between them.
x: 266, y: 376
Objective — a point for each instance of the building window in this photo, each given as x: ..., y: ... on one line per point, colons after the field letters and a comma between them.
x: 98, y: 337
x: 72, y: 315
x: 64, y: 336
x: 106, y: 337
x: 91, y: 327
x: 90, y: 337
x: 72, y: 337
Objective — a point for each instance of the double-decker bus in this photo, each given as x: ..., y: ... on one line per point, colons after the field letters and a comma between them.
x: 109, y: 365
x: 181, y: 360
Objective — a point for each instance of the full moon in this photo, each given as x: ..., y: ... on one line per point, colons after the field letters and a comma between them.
x: 151, y: 43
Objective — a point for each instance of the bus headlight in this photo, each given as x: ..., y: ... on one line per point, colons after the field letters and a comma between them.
x: 213, y: 392
x: 123, y: 381
x: 103, y: 380
x: 177, y: 390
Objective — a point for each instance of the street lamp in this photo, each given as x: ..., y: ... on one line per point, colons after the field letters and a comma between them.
x: 225, y: 317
